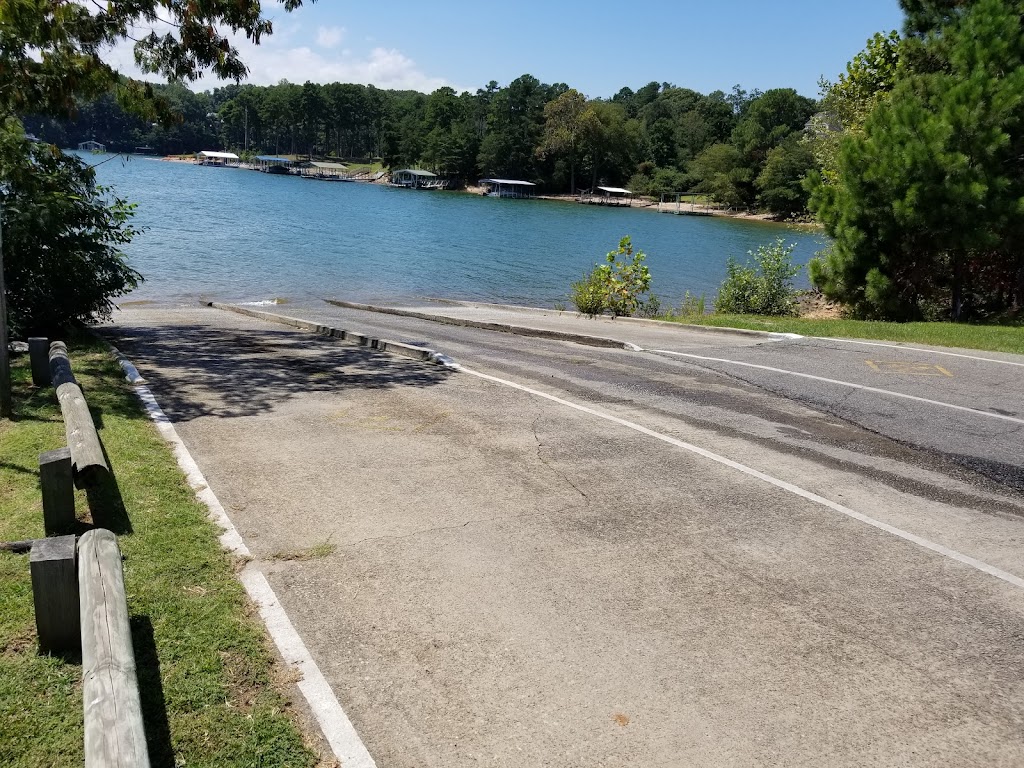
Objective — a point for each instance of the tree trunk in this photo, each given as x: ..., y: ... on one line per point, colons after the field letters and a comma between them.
x: 958, y: 285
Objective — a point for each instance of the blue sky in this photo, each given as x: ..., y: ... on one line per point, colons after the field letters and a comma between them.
x: 596, y: 47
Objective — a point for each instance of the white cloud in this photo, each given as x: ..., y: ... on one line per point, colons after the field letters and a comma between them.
x: 329, y: 37
x: 278, y: 58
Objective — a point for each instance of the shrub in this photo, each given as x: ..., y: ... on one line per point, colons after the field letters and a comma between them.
x: 616, y: 286
x: 588, y: 294
x: 62, y: 238
x: 693, y: 306
x: 762, y: 286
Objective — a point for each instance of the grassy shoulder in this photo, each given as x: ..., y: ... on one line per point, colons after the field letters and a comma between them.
x: 990, y: 338
x: 203, y: 662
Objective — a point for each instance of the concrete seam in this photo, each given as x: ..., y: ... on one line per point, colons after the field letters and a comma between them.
x: 335, y: 724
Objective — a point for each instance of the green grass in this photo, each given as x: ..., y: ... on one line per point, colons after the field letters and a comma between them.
x: 991, y: 338
x: 204, y: 664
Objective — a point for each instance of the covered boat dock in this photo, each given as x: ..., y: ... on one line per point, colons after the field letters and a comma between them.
x: 411, y: 178
x: 324, y: 171
x: 607, y: 196
x: 270, y: 164
x: 220, y: 159
x: 508, y: 188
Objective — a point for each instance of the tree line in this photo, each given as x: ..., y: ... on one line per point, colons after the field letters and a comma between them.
x: 745, y: 149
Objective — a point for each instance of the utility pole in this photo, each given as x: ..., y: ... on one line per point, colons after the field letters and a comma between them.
x: 246, y: 129
x: 6, y: 409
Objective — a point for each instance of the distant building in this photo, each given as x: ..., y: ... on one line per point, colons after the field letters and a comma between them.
x: 91, y: 146
x: 413, y: 178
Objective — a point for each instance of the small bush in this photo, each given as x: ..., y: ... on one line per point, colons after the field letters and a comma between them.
x: 762, y: 286
x: 616, y: 286
x: 693, y: 306
x: 588, y: 294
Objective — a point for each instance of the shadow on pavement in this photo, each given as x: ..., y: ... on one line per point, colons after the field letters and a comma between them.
x: 199, y: 370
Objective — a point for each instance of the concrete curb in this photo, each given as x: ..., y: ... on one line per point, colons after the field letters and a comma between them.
x: 519, y: 330
x: 628, y: 320
x: 422, y: 354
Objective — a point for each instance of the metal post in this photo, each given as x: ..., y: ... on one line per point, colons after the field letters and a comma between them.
x: 6, y: 408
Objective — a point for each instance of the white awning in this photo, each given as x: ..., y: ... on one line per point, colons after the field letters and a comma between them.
x: 218, y: 155
x: 615, y: 190
x: 508, y: 182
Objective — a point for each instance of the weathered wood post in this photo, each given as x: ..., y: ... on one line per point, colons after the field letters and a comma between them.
x: 114, y: 733
x: 38, y: 355
x: 56, y: 479
x: 86, y: 451
x: 55, y: 593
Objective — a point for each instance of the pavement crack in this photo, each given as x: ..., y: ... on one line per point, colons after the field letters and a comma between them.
x: 460, y: 526
x: 549, y: 465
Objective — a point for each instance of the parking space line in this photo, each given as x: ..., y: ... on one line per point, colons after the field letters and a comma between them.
x: 916, y: 349
x: 939, y: 549
x: 850, y: 384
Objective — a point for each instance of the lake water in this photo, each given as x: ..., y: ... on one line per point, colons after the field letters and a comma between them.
x: 239, y: 235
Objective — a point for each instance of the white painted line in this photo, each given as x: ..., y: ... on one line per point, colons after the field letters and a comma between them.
x: 348, y: 748
x: 864, y: 387
x: 918, y: 349
x: 805, y: 494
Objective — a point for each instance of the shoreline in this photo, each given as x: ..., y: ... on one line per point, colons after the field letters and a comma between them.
x: 640, y: 203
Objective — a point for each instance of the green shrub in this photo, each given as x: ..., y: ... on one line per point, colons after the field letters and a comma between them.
x: 616, y: 286
x: 762, y: 286
x: 588, y: 294
x: 693, y: 306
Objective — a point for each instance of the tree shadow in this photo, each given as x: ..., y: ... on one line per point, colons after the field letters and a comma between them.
x: 151, y: 694
x: 199, y: 370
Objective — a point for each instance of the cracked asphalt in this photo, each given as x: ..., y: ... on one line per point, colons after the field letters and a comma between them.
x: 516, y: 582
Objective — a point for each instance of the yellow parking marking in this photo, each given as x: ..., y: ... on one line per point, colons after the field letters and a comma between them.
x: 907, y: 369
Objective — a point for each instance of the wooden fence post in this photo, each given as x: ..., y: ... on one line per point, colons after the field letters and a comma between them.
x: 55, y: 593
x: 114, y: 733
x: 86, y: 451
x: 38, y: 353
x: 57, y: 481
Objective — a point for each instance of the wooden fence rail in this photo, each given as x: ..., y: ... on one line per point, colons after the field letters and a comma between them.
x: 114, y: 733
x: 86, y: 451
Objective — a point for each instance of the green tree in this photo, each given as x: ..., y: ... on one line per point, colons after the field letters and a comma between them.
x: 565, y: 124
x: 721, y: 172
x: 62, y: 237
x: 845, y: 104
x: 780, y: 184
x: 926, y: 207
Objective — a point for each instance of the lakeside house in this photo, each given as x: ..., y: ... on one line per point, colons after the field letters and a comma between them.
x: 508, y: 188
x: 270, y: 164
x: 411, y: 178
x: 219, y: 159
x: 91, y: 146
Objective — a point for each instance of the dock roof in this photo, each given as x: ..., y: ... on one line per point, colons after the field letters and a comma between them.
x: 616, y: 190
x: 218, y: 155
x: 510, y: 182
x: 328, y: 166
x: 417, y: 172
x: 268, y: 159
